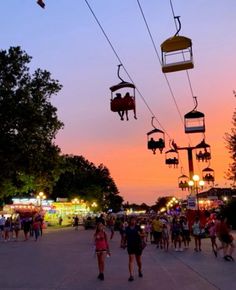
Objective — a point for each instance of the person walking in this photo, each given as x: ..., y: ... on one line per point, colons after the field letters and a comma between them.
x: 76, y: 223
x: 134, y: 237
x: 102, y: 248
x: 176, y: 231
x: 148, y: 230
x: 223, y: 233
x: 7, y: 228
x: 111, y: 225
x: 212, y: 235
x: 186, y: 232
x: 165, y: 236
x: 2, y: 224
x: 26, y: 227
x: 157, y: 231
x: 17, y: 227
x: 196, y: 227
x: 36, y: 228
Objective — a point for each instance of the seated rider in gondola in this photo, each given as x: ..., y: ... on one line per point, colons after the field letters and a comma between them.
x: 129, y: 104
x: 118, y: 100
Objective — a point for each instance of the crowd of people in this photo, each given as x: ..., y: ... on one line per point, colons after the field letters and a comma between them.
x: 10, y: 227
x: 163, y: 232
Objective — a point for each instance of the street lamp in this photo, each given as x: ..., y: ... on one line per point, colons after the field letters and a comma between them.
x: 41, y: 196
x: 94, y: 204
x: 75, y: 201
x: 195, y: 184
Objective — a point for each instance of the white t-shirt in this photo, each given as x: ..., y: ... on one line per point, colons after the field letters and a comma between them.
x: 2, y: 221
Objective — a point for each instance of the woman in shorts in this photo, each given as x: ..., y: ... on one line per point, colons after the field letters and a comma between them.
x: 102, y: 248
x: 134, y: 238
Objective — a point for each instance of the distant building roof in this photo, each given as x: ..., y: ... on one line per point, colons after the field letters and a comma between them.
x: 219, y: 192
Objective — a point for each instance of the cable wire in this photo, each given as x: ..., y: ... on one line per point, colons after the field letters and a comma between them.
x: 129, y: 76
x: 159, y: 59
x: 188, y: 77
x: 120, y: 61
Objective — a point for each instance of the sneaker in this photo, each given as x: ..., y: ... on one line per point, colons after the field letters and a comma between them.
x: 131, y: 278
x: 176, y: 249
x: 230, y: 257
x: 227, y: 258
x: 140, y: 274
x: 101, y: 276
x: 180, y: 250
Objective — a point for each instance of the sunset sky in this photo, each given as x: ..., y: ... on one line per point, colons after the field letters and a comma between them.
x: 64, y: 39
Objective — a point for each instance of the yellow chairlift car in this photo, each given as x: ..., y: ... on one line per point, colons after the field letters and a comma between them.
x: 177, y: 53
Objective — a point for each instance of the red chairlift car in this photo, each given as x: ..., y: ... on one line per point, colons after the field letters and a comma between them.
x: 123, y: 103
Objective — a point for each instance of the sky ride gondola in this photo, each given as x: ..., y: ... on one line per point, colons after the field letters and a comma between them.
x: 194, y: 121
x: 158, y: 142
x: 174, y: 47
x: 123, y: 103
x: 172, y: 158
x: 183, y: 182
x: 208, y: 175
x: 203, y: 151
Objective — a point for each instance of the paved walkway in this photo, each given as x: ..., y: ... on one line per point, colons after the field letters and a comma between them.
x: 64, y: 259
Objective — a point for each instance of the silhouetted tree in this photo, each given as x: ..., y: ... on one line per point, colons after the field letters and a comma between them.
x: 82, y: 178
x: 29, y: 124
x: 161, y: 202
x: 231, y: 145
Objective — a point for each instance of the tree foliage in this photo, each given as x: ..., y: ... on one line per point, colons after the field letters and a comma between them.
x: 231, y: 146
x: 81, y: 178
x: 30, y: 161
x: 161, y: 202
x: 29, y: 123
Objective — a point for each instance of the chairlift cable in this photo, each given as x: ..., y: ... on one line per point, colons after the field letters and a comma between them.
x: 159, y: 59
x: 120, y: 61
x: 158, y: 56
x: 129, y: 76
x: 167, y: 80
x: 188, y: 76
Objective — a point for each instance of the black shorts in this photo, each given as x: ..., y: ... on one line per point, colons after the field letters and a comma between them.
x: 157, y: 235
x: 137, y: 251
x: 227, y: 239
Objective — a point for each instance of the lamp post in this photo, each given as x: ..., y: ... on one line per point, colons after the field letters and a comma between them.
x: 195, y: 184
x: 94, y: 206
x: 40, y: 197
